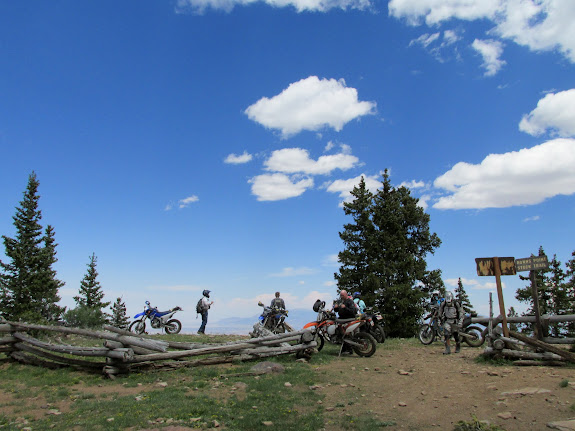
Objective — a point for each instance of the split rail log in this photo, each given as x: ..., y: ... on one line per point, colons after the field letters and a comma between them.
x: 239, y: 346
x: 171, y: 344
x: 132, y: 340
x: 568, y: 356
x: 7, y: 340
x: 546, y: 319
x: 216, y: 360
x: 519, y: 354
x: 124, y: 354
x: 526, y: 319
x: 60, y: 359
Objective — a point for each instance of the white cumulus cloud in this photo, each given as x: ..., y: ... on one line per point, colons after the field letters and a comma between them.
x: 292, y: 160
x: 200, y: 6
x: 235, y: 159
x: 491, y: 51
x: 278, y: 186
x: 524, y: 177
x: 344, y: 187
x: 555, y: 112
x: 540, y: 25
x: 310, y: 104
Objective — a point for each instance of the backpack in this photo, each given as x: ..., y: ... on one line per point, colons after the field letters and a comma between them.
x: 200, y: 306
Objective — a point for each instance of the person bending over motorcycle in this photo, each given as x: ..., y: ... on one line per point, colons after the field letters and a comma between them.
x: 359, y: 302
x: 451, y: 315
x: 345, y: 308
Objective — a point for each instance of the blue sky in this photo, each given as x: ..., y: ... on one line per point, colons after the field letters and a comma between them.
x: 209, y: 144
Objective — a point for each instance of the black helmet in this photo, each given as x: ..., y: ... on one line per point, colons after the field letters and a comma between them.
x: 206, y: 293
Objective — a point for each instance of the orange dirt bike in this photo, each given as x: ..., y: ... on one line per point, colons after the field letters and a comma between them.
x: 340, y: 331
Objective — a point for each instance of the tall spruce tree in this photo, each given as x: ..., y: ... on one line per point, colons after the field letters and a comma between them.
x: 90, y: 299
x: 463, y: 298
x: 570, y: 292
x: 354, y: 273
x: 384, y: 255
x: 28, y: 283
x: 554, y: 294
x: 119, y: 317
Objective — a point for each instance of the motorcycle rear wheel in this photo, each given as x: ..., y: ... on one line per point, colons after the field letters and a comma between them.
x: 368, y: 344
x: 173, y: 326
x: 477, y: 334
x: 426, y: 334
x: 138, y: 327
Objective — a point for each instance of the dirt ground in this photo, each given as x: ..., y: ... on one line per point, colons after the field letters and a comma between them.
x: 419, y: 388
x: 416, y: 387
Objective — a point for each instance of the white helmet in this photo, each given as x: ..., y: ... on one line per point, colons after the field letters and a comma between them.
x: 449, y: 297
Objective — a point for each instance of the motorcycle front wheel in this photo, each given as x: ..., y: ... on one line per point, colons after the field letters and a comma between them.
x: 173, y: 326
x: 476, y: 339
x: 379, y: 334
x: 426, y: 334
x: 320, y: 341
x: 368, y: 344
x: 137, y: 327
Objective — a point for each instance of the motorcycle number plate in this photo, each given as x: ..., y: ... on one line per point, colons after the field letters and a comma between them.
x: 379, y: 317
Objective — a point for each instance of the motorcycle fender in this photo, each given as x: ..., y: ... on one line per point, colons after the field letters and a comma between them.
x: 352, y: 327
x: 138, y: 315
x: 310, y: 326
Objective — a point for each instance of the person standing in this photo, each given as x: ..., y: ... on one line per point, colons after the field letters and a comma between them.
x: 359, y: 302
x: 204, y: 307
x: 451, y: 315
x: 278, y: 303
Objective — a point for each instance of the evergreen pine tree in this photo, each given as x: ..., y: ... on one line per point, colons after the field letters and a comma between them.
x: 554, y: 294
x: 90, y: 305
x: 463, y: 298
x: 354, y: 272
x: 570, y: 293
x: 119, y: 317
x: 513, y: 326
x: 385, y: 252
x: 28, y: 283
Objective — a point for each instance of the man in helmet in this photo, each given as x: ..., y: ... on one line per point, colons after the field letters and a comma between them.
x: 451, y: 315
x: 205, y: 306
x: 278, y: 303
x: 359, y: 302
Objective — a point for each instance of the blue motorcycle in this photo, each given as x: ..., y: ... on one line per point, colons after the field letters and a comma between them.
x: 158, y: 320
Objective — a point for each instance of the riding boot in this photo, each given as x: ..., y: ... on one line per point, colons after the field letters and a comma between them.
x: 457, y: 347
x: 447, y: 349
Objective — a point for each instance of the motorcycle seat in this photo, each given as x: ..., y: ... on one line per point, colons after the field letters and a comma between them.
x: 349, y: 319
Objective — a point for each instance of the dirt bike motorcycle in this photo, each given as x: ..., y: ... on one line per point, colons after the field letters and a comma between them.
x: 158, y: 320
x: 429, y: 332
x: 373, y: 325
x: 340, y: 331
x: 274, y: 319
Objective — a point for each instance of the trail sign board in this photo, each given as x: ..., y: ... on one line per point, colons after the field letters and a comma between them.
x: 486, y: 266
x: 533, y: 263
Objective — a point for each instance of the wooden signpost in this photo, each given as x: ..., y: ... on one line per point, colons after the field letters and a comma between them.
x: 498, y: 266
x: 532, y: 264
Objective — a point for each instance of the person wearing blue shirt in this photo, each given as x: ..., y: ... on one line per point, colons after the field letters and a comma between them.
x: 359, y: 302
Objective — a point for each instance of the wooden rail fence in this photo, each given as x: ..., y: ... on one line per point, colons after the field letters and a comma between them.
x: 123, y: 351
